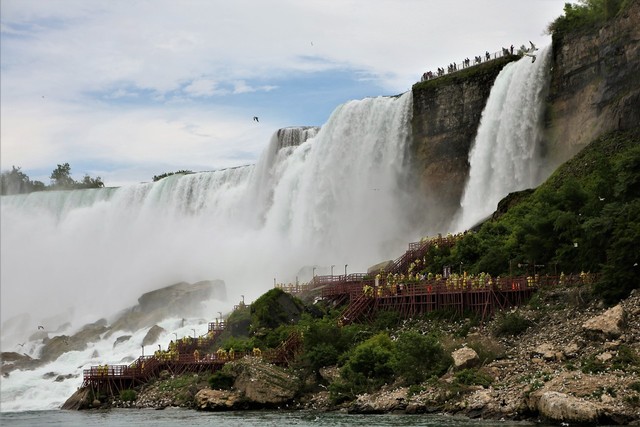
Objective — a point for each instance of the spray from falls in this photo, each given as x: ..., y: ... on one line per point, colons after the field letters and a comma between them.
x: 506, y: 153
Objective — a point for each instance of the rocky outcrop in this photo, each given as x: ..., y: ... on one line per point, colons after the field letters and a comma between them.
x: 595, y: 84
x: 446, y: 115
x: 263, y: 384
x: 152, y: 335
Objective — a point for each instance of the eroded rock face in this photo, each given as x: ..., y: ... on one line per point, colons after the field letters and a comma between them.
x: 609, y: 324
x: 564, y: 408
x: 594, y: 82
x: 262, y: 383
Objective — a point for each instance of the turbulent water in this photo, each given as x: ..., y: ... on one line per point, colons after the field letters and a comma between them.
x: 174, y: 417
x: 337, y: 196
x: 506, y: 154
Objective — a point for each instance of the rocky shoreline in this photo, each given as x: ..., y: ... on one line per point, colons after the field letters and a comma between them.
x: 577, y: 363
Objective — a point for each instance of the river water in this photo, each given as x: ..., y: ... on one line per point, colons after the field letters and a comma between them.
x: 174, y: 417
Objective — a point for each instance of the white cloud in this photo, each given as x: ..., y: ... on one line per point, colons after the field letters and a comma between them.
x: 174, y: 55
x: 204, y: 87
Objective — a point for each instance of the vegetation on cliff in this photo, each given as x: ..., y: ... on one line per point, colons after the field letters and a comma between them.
x: 587, y: 15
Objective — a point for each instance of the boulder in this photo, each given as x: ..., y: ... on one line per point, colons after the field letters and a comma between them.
x: 216, y: 400
x: 465, y: 357
x: 153, y: 335
x: 178, y: 300
x: 262, y: 383
x: 561, y: 407
x: 546, y: 351
x: 608, y: 325
x: 604, y: 357
x: 381, y: 266
x: 571, y: 350
x: 120, y: 340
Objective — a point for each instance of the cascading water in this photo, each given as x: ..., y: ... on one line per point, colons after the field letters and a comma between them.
x: 506, y: 154
x: 337, y: 198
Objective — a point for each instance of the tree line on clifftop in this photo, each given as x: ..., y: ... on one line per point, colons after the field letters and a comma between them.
x: 17, y: 182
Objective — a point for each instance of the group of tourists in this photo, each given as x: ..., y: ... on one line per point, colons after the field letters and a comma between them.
x: 453, y: 67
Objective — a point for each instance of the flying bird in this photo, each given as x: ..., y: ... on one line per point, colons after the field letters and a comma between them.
x: 41, y: 327
x: 533, y: 47
x: 255, y: 119
x: 533, y: 57
x: 21, y: 345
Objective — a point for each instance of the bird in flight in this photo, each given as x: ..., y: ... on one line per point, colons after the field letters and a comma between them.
x: 255, y: 119
x: 41, y: 327
x: 21, y: 345
x: 533, y: 47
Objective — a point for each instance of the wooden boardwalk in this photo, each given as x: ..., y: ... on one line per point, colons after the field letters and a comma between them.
x: 188, y: 356
x: 399, y: 288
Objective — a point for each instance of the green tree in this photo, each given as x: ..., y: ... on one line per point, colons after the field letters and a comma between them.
x: 61, y: 177
x: 88, y: 182
x: 17, y: 182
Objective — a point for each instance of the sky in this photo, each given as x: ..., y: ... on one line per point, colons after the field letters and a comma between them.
x: 129, y: 89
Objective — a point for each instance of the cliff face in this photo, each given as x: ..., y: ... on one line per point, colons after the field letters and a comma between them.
x: 595, y: 84
x: 446, y: 115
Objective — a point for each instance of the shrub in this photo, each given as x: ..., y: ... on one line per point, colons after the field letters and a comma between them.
x: 511, y: 324
x: 418, y: 357
x: 626, y: 358
x: 591, y: 365
x: 367, y: 367
x: 128, y: 395
x: 474, y: 377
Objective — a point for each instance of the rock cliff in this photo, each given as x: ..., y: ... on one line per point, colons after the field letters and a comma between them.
x: 594, y: 89
x: 595, y: 84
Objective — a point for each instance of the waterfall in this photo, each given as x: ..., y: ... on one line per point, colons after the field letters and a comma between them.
x: 316, y: 198
x: 506, y: 156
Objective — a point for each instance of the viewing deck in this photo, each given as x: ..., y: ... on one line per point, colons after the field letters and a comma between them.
x: 397, y: 288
